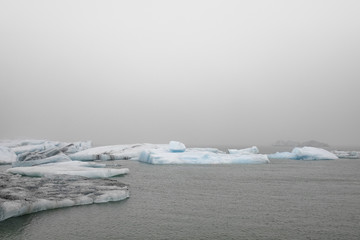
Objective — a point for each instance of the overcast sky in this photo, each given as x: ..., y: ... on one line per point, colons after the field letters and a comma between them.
x: 202, y: 72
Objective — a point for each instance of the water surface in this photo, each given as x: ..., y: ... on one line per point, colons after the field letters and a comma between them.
x: 287, y: 199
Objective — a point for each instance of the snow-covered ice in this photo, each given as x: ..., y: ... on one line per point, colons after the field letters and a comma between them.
x: 251, y: 150
x: 115, y: 152
x: 305, y: 153
x: 7, y: 156
x: 24, y: 195
x: 191, y: 156
x: 85, y: 169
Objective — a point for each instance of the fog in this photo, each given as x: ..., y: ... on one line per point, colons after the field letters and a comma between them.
x: 202, y: 72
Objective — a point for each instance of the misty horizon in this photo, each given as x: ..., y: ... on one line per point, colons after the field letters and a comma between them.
x: 199, y: 72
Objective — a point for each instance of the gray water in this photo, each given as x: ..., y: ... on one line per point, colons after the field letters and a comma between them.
x: 286, y: 199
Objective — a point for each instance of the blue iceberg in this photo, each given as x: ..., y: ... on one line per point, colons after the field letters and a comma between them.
x: 304, y: 153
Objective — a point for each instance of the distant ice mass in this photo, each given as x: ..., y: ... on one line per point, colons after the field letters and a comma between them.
x: 24, y: 195
x: 175, y: 146
x: 305, y: 153
x: 251, y: 150
x: 310, y: 143
x: 347, y: 154
x: 85, y: 169
x: 115, y: 152
x: 200, y: 156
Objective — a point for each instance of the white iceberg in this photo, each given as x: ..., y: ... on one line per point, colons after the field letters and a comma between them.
x: 347, y: 154
x: 251, y: 150
x: 192, y: 156
x: 115, y: 152
x: 90, y: 170
x: 175, y: 146
x: 24, y: 195
x: 305, y: 153
x: 7, y: 156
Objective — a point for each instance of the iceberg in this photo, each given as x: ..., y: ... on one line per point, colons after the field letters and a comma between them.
x: 251, y: 150
x: 305, y: 153
x: 176, y: 146
x: 347, y: 154
x: 24, y: 195
x: 192, y: 156
x: 7, y: 156
x: 77, y: 168
x: 115, y: 152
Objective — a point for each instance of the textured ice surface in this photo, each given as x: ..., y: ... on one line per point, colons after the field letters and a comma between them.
x: 115, y: 152
x: 33, y: 148
x: 7, y: 156
x: 23, y: 195
x: 305, y: 153
x: 53, y: 159
x: 347, y: 154
x: 175, y: 146
x: 251, y: 150
x: 85, y: 169
x: 191, y: 156
x: 28, y: 150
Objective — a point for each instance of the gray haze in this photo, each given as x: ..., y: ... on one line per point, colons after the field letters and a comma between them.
x: 202, y: 72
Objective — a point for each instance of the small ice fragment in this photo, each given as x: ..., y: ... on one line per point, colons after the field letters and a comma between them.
x: 175, y: 146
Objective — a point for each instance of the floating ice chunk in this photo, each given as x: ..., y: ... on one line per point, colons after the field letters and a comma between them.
x: 90, y: 170
x: 312, y: 153
x: 24, y: 195
x: 7, y: 156
x: 53, y: 159
x: 162, y: 156
x: 251, y: 150
x: 115, y: 152
x: 175, y: 146
x: 305, y: 153
x: 347, y: 154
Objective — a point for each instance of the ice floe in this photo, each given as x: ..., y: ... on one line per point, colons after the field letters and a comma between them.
x: 115, y: 152
x: 200, y: 156
x: 305, y: 153
x: 85, y: 169
x: 24, y: 195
